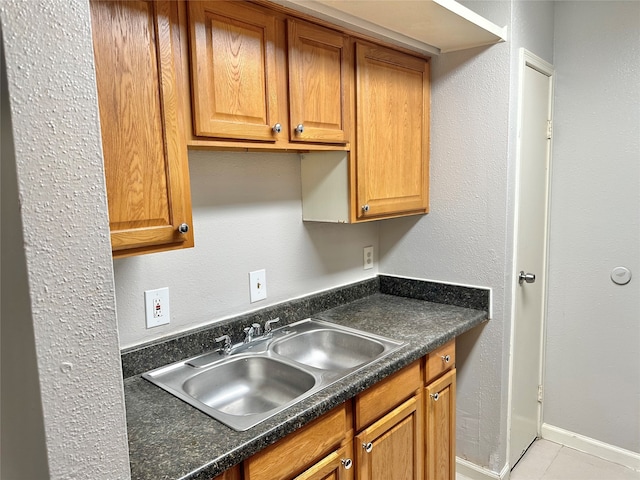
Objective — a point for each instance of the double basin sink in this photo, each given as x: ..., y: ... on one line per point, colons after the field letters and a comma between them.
x: 256, y: 380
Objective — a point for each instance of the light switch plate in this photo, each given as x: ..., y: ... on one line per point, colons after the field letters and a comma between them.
x: 157, y: 307
x: 258, y: 285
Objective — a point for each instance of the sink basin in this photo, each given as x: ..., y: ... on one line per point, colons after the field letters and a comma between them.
x: 329, y: 349
x: 262, y: 378
x: 248, y: 386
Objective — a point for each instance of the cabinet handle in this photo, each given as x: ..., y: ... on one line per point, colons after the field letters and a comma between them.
x: 183, y: 228
x: 367, y: 447
x: 277, y: 128
x: 299, y: 128
x: 365, y: 208
x: 435, y: 396
x: 346, y: 463
x: 446, y: 358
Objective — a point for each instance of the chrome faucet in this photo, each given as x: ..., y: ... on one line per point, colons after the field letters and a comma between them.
x: 268, y: 323
x: 248, y: 332
x: 255, y: 331
x: 226, y: 348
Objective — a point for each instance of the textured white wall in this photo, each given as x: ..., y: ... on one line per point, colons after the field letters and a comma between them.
x: 60, y: 183
x: 592, y: 383
x: 247, y: 215
x: 467, y: 238
x: 23, y: 452
x: 463, y: 239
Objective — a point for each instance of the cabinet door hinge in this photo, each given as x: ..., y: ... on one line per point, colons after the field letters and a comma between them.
x: 540, y: 393
x: 549, y: 129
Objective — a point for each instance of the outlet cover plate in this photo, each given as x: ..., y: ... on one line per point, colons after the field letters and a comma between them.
x: 157, y: 307
x: 368, y: 257
x: 258, y: 285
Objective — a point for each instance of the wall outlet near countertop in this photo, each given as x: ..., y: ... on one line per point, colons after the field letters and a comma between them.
x: 157, y: 307
x: 368, y: 257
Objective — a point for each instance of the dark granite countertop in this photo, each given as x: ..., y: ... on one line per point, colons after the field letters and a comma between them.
x: 169, y: 439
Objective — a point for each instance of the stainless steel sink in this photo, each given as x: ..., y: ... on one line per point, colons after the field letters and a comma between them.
x: 329, y: 349
x: 259, y: 379
x: 248, y: 385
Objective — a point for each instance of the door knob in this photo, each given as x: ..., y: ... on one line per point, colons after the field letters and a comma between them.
x: 526, y: 277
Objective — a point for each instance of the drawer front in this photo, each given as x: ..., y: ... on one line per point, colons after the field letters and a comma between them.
x: 383, y: 397
x: 299, y: 450
x: 440, y: 361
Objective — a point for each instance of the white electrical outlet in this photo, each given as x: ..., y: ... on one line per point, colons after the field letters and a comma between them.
x: 157, y: 307
x: 258, y: 285
x: 368, y: 257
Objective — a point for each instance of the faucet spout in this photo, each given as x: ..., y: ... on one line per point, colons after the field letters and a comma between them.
x: 248, y: 331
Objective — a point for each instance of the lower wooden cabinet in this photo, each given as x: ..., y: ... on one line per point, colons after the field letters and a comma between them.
x: 337, y: 465
x: 392, y: 447
x: 440, y: 413
x: 300, y: 450
x: 441, y: 428
x: 231, y: 474
x: 402, y: 428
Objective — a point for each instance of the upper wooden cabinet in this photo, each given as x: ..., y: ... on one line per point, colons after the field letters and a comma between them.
x: 319, y: 76
x: 392, y: 122
x: 145, y: 153
x: 386, y: 174
x: 233, y: 71
x: 259, y: 79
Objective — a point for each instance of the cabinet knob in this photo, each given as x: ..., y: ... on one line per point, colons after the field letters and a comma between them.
x: 367, y: 447
x: 435, y: 396
x: 446, y: 358
x: 183, y: 228
x: 346, y: 463
x: 277, y: 128
x: 300, y: 128
x: 365, y: 208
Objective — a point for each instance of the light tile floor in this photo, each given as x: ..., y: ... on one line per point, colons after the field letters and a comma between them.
x: 546, y: 460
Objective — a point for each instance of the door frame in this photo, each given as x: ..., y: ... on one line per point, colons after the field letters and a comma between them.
x: 526, y: 59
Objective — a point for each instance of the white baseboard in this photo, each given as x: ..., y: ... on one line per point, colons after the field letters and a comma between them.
x: 591, y: 446
x: 474, y: 472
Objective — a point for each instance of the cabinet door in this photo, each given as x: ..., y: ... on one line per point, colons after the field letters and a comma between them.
x: 392, y: 447
x: 300, y: 449
x: 233, y: 70
x: 231, y: 474
x: 319, y: 63
x: 392, y: 112
x: 335, y: 466
x: 441, y: 428
x: 145, y: 155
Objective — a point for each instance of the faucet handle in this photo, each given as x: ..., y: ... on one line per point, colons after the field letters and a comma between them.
x: 248, y: 332
x: 268, y: 323
x: 226, y: 348
x: 257, y: 329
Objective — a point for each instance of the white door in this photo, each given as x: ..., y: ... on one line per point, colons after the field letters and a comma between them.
x: 530, y: 251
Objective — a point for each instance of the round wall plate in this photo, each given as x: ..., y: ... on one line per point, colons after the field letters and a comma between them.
x: 621, y: 275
